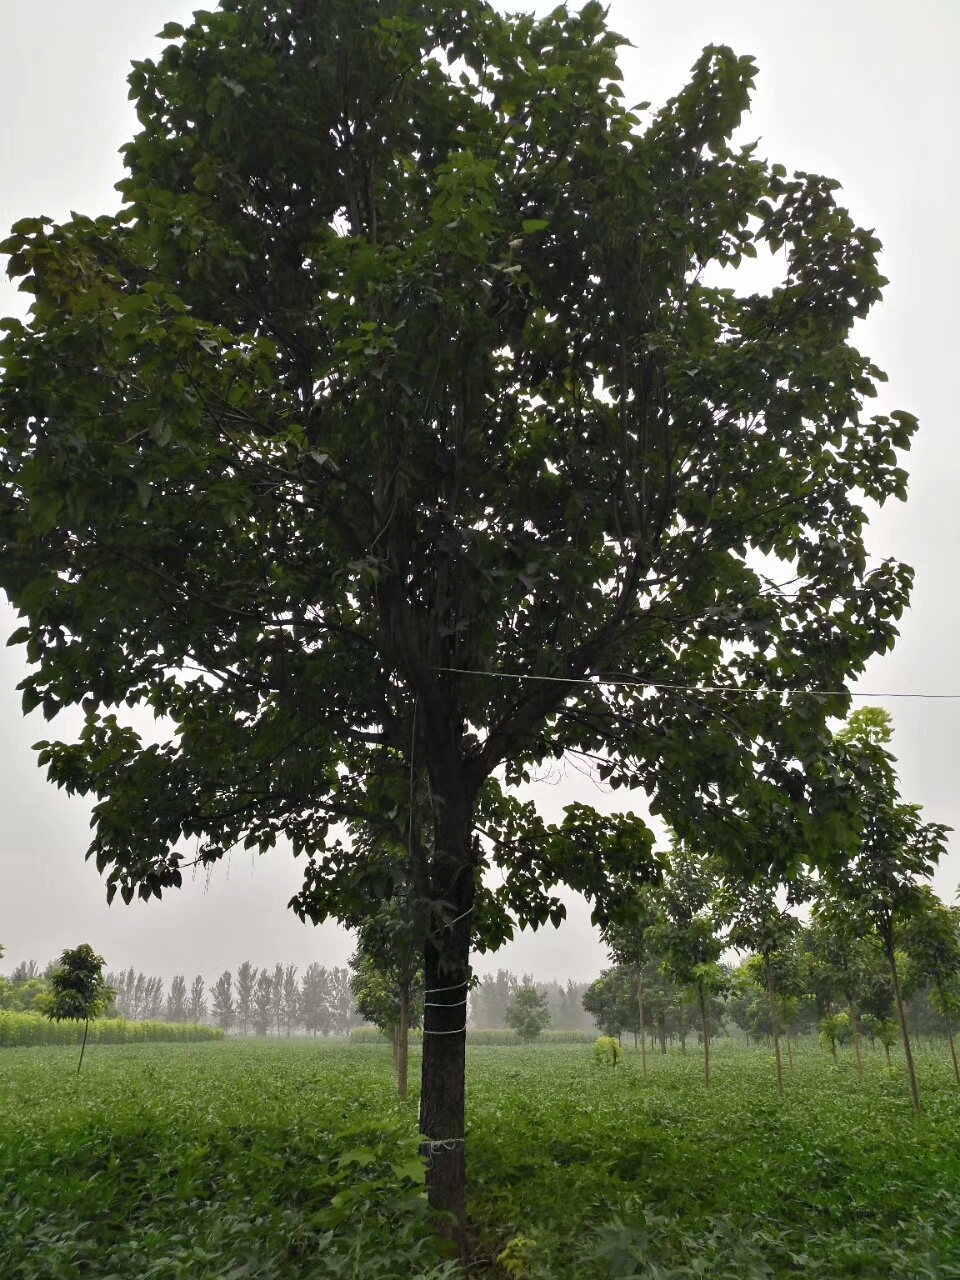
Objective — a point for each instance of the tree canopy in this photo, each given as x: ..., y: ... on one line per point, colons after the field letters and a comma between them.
x: 395, y: 437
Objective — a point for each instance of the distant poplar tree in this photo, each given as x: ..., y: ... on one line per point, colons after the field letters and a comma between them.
x: 139, y: 997
x: 221, y: 1001
x: 315, y: 1012
x: 153, y: 1006
x: 197, y: 1005
x: 246, y: 981
x: 291, y: 998
x: 262, y: 1011
x: 177, y: 1000
x: 277, y: 993
x: 343, y: 1009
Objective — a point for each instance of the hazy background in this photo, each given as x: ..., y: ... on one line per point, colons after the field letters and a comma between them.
x: 863, y: 90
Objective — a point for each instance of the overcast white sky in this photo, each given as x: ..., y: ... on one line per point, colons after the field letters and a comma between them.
x: 863, y: 90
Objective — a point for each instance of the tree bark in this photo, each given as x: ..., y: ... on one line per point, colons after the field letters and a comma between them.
x: 771, y: 991
x: 446, y: 977
x: 905, y: 1035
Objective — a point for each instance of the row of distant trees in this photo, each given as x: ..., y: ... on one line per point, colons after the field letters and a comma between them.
x: 281, y: 1002
x: 844, y: 946
x: 814, y: 996
x: 261, y: 1002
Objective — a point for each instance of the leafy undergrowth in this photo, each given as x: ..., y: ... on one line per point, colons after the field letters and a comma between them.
x: 240, y: 1159
x: 226, y: 1160
x: 596, y: 1171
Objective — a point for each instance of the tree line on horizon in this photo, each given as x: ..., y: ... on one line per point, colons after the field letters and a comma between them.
x: 258, y: 1001
x: 279, y: 1002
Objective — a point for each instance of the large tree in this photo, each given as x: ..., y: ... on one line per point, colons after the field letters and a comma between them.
x: 398, y: 434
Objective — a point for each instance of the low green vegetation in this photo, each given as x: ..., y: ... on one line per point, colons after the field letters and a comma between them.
x: 273, y: 1160
x: 20, y: 1030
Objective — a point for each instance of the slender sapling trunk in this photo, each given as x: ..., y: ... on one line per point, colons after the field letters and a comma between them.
x: 643, y: 1047
x: 908, y: 1054
x: 771, y: 990
x: 953, y: 1047
x: 403, y: 1042
x: 706, y: 1039
x: 856, y: 1035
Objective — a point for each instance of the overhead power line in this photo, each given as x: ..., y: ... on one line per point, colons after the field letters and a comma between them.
x: 741, y: 690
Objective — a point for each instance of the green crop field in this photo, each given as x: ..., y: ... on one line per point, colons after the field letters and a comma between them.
x: 249, y: 1159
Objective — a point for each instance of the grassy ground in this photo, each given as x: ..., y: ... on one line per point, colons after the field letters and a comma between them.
x: 262, y: 1160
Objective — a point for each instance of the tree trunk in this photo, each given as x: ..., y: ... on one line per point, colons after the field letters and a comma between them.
x: 856, y: 1035
x: 403, y: 1042
x: 771, y: 991
x: 895, y: 978
x: 953, y: 1047
x: 86, y: 1025
x: 953, y: 1051
x: 706, y: 1038
x: 643, y: 1047
x: 446, y: 979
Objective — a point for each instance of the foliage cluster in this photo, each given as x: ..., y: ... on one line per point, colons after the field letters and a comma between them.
x: 606, y: 1049
x: 528, y: 1013
x: 20, y: 989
